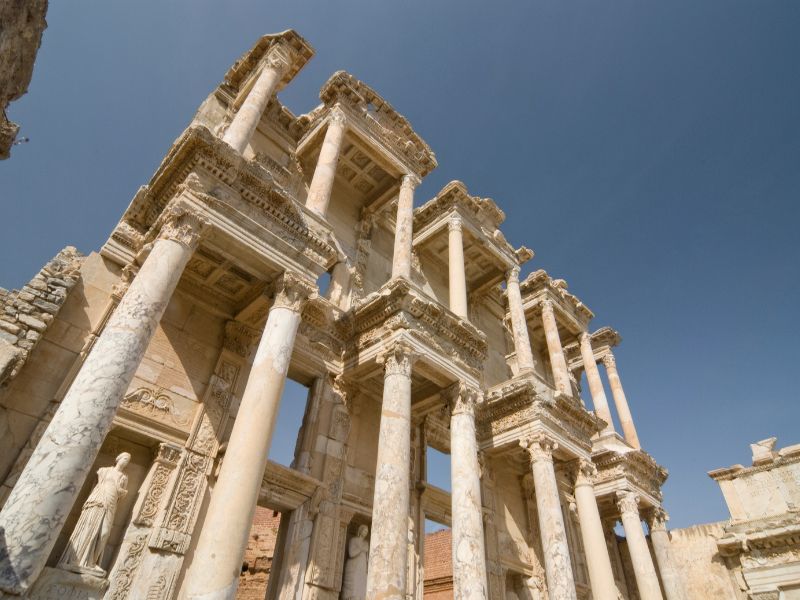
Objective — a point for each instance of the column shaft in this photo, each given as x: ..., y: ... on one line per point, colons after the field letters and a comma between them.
x: 241, y: 129
x: 599, y: 399
x: 43, y: 496
x: 519, y: 325
x: 469, y: 556
x: 623, y: 411
x: 670, y: 577
x: 458, y: 279
x: 404, y: 226
x: 557, y: 360
x: 319, y: 192
x: 217, y: 563
x: 558, y: 569
x: 598, y: 562
x: 388, y: 553
x: 643, y: 569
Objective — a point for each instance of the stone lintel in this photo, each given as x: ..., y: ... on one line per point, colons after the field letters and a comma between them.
x: 285, y: 489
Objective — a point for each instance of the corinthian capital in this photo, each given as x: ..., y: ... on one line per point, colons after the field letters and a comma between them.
x: 513, y: 274
x: 409, y: 181
x: 398, y: 359
x: 608, y: 361
x: 547, y: 307
x: 462, y: 398
x: 292, y: 291
x: 628, y: 503
x: 539, y: 447
x: 455, y: 223
x: 657, y: 519
x: 279, y: 58
x: 183, y: 225
x: 337, y: 115
x: 586, y: 472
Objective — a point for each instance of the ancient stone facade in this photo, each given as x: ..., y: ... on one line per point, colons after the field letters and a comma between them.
x: 176, y: 340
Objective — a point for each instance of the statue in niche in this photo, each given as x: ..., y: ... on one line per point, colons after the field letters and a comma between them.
x: 354, y: 584
x: 88, y: 540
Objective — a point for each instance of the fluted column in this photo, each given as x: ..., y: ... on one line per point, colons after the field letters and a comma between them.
x: 319, y: 192
x: 404, y: 228
x: 659, y: 536
x: 557, y: 360
x: 43, y: 496
x: 598, y: 561
x: 558, y: 569
x: 216, y: 567
x: 388, y: 554
x: 458, y: 278
x: 519, y: 325
x: 599, y: 399
x: 623, y: 411
x: 469, y: 556
x: 240, y: 131
x: 643, y: 569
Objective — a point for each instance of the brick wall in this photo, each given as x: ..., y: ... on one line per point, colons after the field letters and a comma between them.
x: 258, y: 556
x: 438, y: 566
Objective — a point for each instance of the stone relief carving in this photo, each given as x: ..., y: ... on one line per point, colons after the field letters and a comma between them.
x: 154, y: 403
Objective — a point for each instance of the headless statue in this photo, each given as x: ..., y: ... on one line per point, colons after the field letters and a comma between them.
x: 354, y: 583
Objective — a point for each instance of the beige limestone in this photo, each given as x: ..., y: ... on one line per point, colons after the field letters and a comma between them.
x: 404, y: 222
x: 319, y: 192
x: 621, y: 402
x: 643, y: 568
x: 557, y: 361
x: 599, y: 399
x: 458, y: 284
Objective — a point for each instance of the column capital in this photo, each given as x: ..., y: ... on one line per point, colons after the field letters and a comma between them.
x: 586, y: 472
x: 628, y: 503
x: 279, y: 58
x: 337, y: 115
x: 183, y: 225
x: 609, y: 362
x: 539, y: 447
x: 409, y: 180
x: 512, y: 275
x: 547, y: 307
x: 584, y: 337
x: 462, y: 398
x: 455, y: 223
x: 657, y: 519
x: 398, y: 358
x: 292, y: 291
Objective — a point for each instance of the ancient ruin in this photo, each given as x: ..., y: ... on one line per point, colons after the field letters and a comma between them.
x: 269, y: 245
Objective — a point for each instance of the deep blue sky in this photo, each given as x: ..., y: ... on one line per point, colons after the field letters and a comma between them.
x: 647, y: 151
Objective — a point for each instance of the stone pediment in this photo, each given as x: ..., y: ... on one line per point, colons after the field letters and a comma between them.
x: 401, y: 305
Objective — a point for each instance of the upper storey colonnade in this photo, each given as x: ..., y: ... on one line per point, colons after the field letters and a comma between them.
x: 345, y: 175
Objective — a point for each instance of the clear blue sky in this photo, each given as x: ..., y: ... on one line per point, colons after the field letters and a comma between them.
x: 649, y: 153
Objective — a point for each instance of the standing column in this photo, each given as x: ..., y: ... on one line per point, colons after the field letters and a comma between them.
x: 458, y: 279
x: 599, y: 399
x: 594, y: 543
x: 404, y: 228
x: 43, y: 496
x: 519, y: 325
x: 557, y: 360
x: 623, y: 411
x: 388, y: 552
x: 643, y: 569
x: 319, y: 192
x: 560, y: 581
x: 240, y: 131
x: 469, y: 557
x: 670, y: 577
x: 215, y: 570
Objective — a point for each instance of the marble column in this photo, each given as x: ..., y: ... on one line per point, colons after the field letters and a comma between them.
x: 598, y: 561
x: 404, y: 226
x: 43, y: 496
x: 623, y: 411
x: 557, y: 565
x: 519, y: 325
x: 339, y: 294
x: 469, y: 556
x: 659, y: 536
x: 216, y: 567
x: 241, y: 129
x: 458, y: 278
x: 319, y: 192
x: 599, y: 399
x: 643, y: 569
x: 557, y: 360
x: 388, y: 552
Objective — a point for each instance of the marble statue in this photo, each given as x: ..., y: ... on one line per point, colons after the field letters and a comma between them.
x: 88, y: 540
x: 354, y: 586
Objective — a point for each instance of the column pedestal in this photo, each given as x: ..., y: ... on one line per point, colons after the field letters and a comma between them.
x: 215, y: 570
x: 643, y: 569
x: 599, y: 399
x: 469, y: 556
x: 557, y: 360
x: 623, y: 411
x: 388, y: 553
x: 319, y: 192
x: 659, y: 536
x: 43, y: 496
x: 558, y: 569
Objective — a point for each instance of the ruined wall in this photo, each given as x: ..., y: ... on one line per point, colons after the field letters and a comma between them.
x: 695, y: 551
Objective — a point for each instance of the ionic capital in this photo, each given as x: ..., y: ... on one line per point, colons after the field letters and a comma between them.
x: 586, y: 472
x: 398, y: 359
x: 337, y: 115
x: 183, y: 225
x: 292, y: 291
x: 462, y: 398
x: 628, y: 503
x: 539, y: 447
x: 409, y: 181
x: 657, y: 519
x: 455, y: 223
x: 609, y: 362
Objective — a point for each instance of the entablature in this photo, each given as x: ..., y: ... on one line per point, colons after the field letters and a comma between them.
x: 628, y: 471
x: 571, y: 313
x: 603, y: 340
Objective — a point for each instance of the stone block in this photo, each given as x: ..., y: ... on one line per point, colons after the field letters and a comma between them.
x: 32, y: 322
x: 8, y: 338
x: 46, y: 306
x: 8, y: 356
x: 9, y: 327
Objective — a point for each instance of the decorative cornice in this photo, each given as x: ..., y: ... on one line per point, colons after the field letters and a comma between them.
x: 636, y: 467
x: 539, y: 281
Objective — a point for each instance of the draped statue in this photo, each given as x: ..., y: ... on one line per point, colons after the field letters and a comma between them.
x: 354, y: 584
x: 88, y: 540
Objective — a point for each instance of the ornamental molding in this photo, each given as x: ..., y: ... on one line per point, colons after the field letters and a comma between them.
x: 540, y: 284
x: 636, y: 467
x: 155, y: 403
